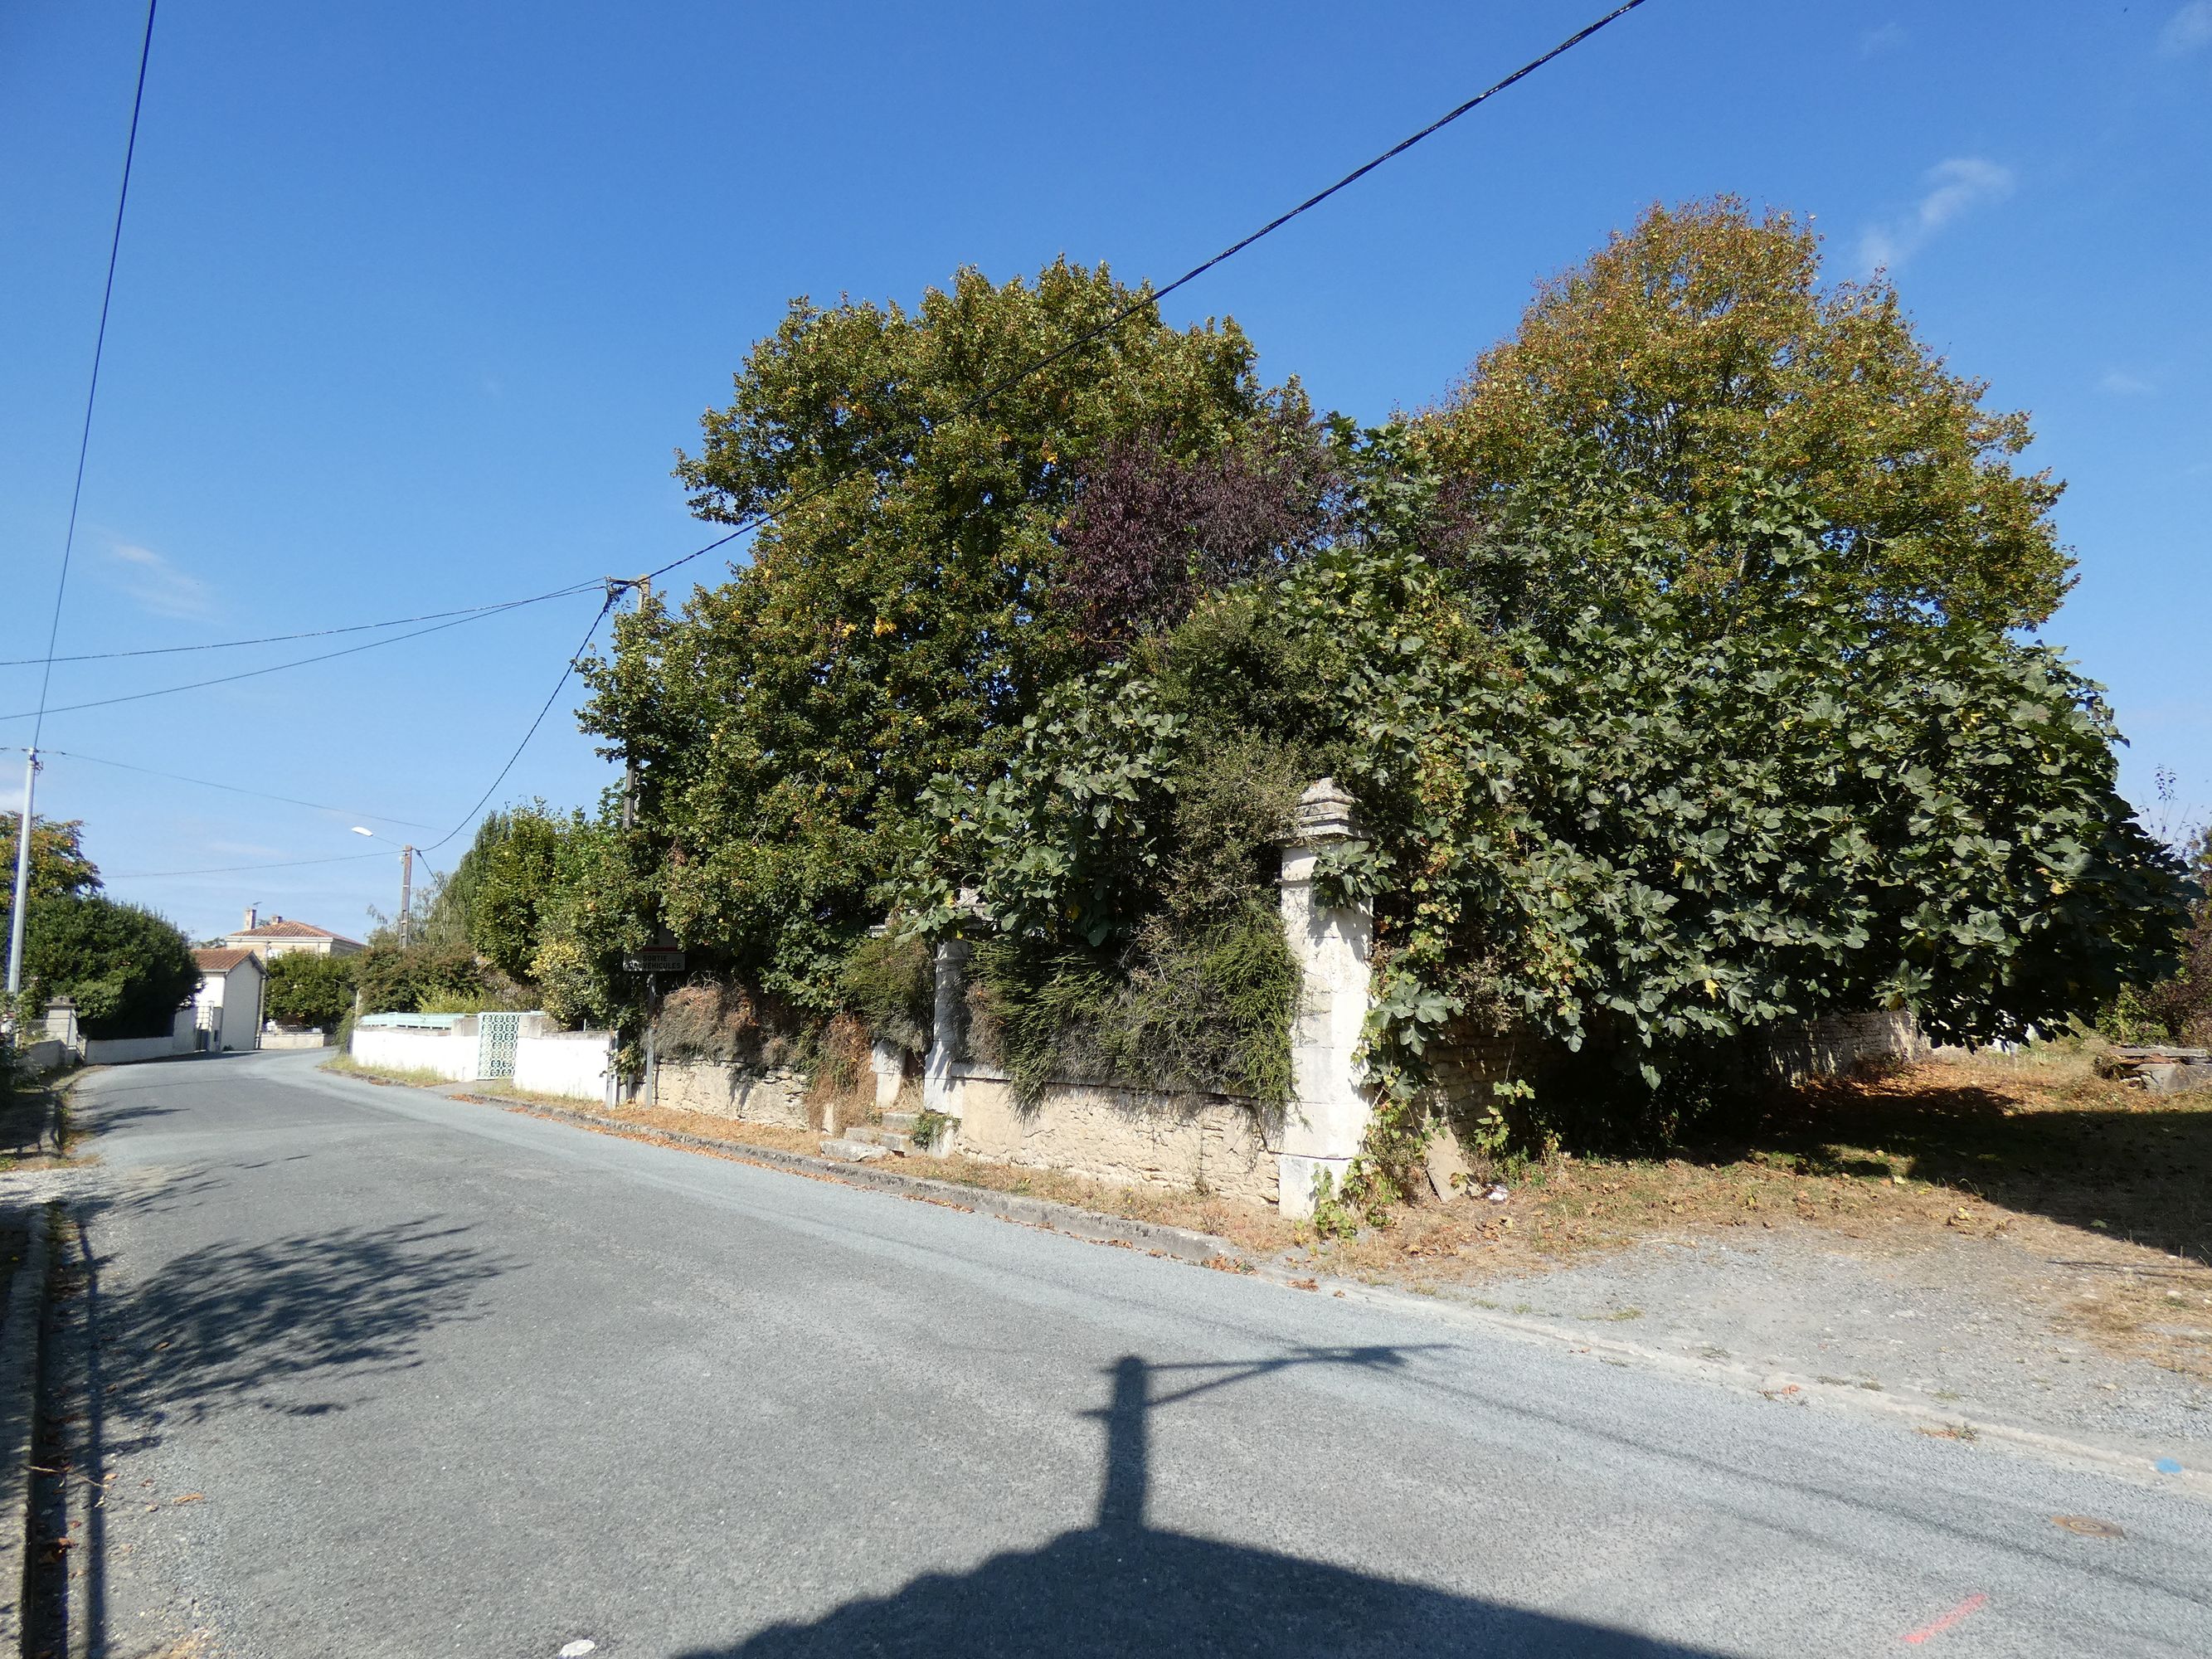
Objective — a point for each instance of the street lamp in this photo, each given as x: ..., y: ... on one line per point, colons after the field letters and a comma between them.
x: 406, y: 879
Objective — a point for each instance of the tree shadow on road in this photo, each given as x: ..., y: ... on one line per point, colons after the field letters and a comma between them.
x: 1121, y: 1587
x: 232, y: 1323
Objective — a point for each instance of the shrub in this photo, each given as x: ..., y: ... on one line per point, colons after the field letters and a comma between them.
x: 127, y: 969
x: 305, y: 989
x: 890, y: 981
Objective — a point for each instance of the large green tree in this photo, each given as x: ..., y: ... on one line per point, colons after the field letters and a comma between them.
x: 903, y: 609
x: 128, y: 970
x: 1642, y: 823
x: 1701, y: 345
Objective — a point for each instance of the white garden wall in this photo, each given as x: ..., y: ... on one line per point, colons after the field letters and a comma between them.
x: 446, y: 1049
x: 571, y: 1064
x: 184, y: 1038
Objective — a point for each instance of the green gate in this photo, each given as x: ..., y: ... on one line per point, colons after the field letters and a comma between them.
x: 495, y: 1036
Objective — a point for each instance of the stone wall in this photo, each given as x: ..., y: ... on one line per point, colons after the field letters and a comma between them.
x: 1122, y: 1137
x: 720, y: 1089
x: 1829, y: 1046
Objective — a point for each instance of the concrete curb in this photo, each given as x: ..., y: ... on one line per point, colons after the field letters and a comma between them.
x: 19, y: 1403
x: 1179, y: 1243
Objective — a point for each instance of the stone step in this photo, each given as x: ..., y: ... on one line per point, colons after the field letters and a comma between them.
x: 846, y: 1149
x: 891, y: 1134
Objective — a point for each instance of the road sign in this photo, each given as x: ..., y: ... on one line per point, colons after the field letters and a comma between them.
x: 654, y: 962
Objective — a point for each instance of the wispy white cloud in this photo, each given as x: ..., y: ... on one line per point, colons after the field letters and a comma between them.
x: 2188, y: 30
x: 153, y: 583
x: 1887, y: 38
x: 2119, y: 382
x: 1954, y: 186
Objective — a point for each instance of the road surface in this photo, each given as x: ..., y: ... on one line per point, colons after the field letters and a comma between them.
x: 384, y: 1373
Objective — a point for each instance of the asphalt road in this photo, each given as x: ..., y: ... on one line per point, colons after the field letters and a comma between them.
x: 381, y: 1373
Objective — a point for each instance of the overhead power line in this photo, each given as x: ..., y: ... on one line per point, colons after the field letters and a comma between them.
x: 234, y: 869
x: 92, y: 393
x: 478, y: 614
x: 545, y: 708
x: 1153, y: 296
x: 1148, y: 302
x: 229, y: 788
x: 282, y: 639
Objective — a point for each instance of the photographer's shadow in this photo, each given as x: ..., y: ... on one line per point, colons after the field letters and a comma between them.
x: 1120, y: 1587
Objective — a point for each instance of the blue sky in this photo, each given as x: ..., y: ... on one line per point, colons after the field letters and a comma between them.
x: 418, y: 301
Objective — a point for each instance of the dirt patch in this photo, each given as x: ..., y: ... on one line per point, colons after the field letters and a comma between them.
x: 2023, y: 1204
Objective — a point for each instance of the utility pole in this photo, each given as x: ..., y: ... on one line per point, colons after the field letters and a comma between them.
x: 642, y: 585
x: 406, y: 890
x: 22, y: 882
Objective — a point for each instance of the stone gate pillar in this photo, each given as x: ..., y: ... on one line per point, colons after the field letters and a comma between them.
x: 1329, y: 1112
x: 948, y: 1013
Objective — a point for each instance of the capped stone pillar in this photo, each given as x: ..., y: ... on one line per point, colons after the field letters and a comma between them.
x: 1329, y: 1108
x: 948, y: 1013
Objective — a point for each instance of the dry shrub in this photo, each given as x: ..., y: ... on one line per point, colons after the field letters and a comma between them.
x: 841, y: 1072
x: 713, y: 1019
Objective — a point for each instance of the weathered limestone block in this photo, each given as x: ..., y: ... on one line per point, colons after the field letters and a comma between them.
x: 1123, y: 1137
x: 939, y: 1091
x: 719, y: 1089
x: 888, y: 1061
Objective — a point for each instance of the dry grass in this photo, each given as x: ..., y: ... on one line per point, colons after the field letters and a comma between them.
x: 415, y: 1077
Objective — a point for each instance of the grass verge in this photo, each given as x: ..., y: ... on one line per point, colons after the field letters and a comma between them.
x: 417, y: 1077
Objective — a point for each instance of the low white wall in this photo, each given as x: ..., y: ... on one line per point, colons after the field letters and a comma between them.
x: 450, y: 1054
x: 123, y: 1051
x: 306, y: 1039
x: 571, y: 1064
x: 42, y: 1056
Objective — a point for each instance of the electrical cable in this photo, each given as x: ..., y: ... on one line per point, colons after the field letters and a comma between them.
x: 1152, y: 297
x: 546, y: 708
x: 300, y: 662
x: 232, y: 869
x: 230, y: 788
x: 280, y: 639
x: 92, y: 393
x: 753, y: 521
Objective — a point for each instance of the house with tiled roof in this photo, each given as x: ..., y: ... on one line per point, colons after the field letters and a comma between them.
x: 226, y: 1006
x: 276, y: 937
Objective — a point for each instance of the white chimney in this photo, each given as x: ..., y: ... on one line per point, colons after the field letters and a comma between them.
x: 252, y: 912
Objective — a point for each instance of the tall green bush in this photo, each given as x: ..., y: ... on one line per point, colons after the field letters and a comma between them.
x: 128, y: 970
x: 305, y: 989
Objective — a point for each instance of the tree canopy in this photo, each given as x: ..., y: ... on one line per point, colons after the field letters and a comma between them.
x: 907, y: 605
x: 1595, y: 809
x: 306, y: 989
x: 59, y: 867
x: 1699, y: 346
x: 127, y: 969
